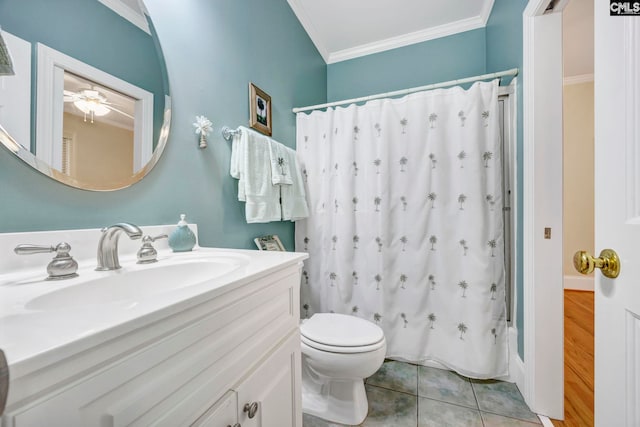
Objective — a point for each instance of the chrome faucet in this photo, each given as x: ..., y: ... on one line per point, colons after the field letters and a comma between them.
x: 108, y: 245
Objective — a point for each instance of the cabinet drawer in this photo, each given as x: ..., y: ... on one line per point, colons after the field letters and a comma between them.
x: 174, y: 380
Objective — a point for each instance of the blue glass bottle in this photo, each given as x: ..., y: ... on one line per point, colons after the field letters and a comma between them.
x: 182, y: 238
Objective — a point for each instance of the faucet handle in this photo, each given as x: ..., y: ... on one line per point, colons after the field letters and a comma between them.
x: 147, y: 253
x: 33, y: 249
x: 62, y: 266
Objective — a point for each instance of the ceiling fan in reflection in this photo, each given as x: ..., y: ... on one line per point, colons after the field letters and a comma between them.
x: 92, y: 103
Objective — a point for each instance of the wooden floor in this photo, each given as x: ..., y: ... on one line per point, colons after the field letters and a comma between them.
x: 578, y: 359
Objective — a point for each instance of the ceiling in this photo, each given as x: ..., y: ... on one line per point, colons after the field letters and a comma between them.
x: 346, y: 29
x: 133, y: 11
x: 577, y: 48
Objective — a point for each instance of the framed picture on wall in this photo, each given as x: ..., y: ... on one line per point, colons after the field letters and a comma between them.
x: 270, y: 242
x: 259, y: 110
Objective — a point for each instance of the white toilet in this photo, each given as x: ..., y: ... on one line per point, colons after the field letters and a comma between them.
x: 338, y: 353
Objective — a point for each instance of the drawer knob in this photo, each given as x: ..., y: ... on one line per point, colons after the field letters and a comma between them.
x: 235, y: 425
x: 251, y: 409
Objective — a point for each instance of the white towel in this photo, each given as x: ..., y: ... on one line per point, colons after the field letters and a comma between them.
x: 294, y: 198
x: 280, y: 167
x: 237, y: 161
x: 236, y: 155
x: 254, y: 171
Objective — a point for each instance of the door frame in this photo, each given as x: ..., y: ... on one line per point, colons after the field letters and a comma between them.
x: 542, y: 200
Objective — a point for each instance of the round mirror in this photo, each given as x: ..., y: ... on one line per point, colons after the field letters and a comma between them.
x: 84, y: 92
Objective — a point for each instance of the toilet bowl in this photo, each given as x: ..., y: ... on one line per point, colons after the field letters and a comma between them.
x: 338, y: 353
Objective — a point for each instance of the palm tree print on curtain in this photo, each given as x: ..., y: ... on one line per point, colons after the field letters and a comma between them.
x: 403, y: 281
x: 417, y: 231
x: 461, y: 156
x: 486, y: 156
x: 432, y: 241
x: 432, y: 198
x: 465, y: 248
x: 432, y: 320
x: 463, y: 285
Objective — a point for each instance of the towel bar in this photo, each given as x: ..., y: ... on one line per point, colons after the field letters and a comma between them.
x: 228, y: 133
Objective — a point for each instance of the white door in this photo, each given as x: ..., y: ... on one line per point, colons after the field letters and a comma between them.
x: 617, y: 216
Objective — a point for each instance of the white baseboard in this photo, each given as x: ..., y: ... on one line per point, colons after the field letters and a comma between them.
x: 579, y: 283
x: 546, y: 422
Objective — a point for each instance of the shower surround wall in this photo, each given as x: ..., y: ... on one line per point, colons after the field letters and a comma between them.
x: 496, y: 47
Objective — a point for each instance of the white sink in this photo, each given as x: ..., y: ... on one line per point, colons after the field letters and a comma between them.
x: 137, y: 283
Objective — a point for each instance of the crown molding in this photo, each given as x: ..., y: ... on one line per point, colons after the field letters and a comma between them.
x: 303, y: 17
x: 468, y: 24
x: 407, y: 39
x: 485, y: 13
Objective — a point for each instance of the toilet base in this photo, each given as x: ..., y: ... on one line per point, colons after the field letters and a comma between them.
x: 342, y: 401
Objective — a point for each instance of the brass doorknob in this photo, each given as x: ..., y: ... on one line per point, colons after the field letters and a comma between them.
x: 608, y: 262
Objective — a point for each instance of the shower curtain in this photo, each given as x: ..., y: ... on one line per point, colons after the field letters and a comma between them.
x: 405, y: 227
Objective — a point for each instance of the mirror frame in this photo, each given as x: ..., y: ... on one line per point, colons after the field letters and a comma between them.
x: 41, y: 166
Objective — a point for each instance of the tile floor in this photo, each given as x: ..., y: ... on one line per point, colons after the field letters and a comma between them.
x: 405, y: 395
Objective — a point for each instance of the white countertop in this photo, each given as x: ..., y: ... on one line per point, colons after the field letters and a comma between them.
x: 33, y: 337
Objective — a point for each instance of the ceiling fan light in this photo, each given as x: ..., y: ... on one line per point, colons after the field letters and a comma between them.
x: 91, y: 94
x: 100, y: 110
x: 82, y: 105
x: 91, y: 106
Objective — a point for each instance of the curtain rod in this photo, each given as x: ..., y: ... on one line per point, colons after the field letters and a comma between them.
x: 511, y: 72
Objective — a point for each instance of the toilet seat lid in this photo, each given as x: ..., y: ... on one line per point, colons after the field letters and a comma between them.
x: 340, y: 330
x: 341, y: 349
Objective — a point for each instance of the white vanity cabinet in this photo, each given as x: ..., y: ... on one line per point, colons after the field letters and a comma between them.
x: 268, y: 396
x: 195, y: 363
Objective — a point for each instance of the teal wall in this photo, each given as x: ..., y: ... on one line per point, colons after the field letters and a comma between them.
x: 447, y: 58
x: 213, y: 49
x: 101, y: 39
x: 496, y: 47
x: 504, y: 50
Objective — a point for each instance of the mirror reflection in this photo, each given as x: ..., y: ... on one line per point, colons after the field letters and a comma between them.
x: 89, y: 102
x: 97, y: 142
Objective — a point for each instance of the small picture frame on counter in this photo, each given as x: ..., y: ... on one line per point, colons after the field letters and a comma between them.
x: 270, y: 242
